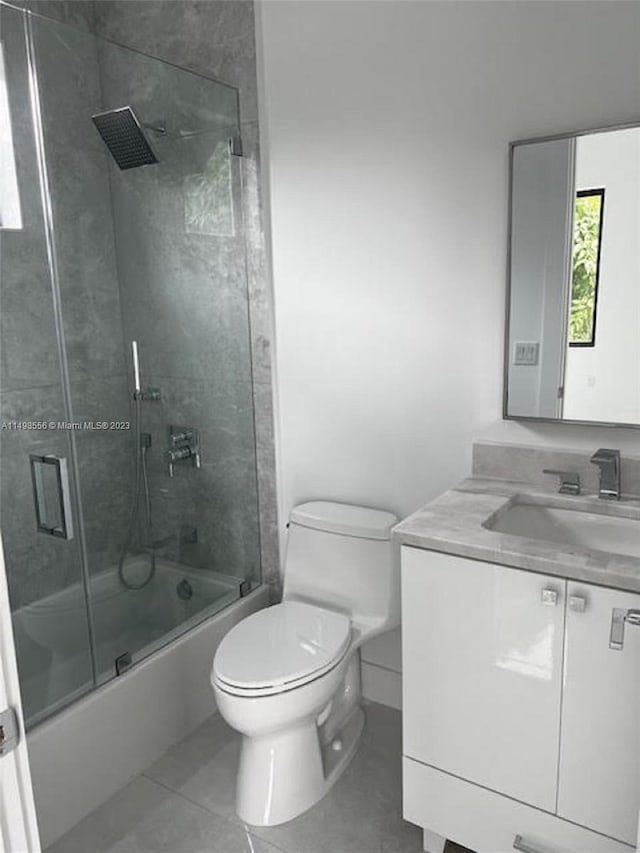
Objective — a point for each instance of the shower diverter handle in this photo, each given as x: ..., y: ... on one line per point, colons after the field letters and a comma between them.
x: 181, y: 438
x: 184, y: 444
x: 177, y: 455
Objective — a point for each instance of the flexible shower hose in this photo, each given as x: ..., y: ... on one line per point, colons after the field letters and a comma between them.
x: 142, y: 480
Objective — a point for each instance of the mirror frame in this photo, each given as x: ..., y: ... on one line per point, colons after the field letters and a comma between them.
x: 505, y: 377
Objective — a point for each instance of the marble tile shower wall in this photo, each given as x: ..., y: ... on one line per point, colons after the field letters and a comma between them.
x: 217, y: 39
x: 181, y: 263
x: 77, y: 13
x: 30, y: 384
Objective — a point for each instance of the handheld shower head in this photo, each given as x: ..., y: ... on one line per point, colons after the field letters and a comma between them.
x: 123, y: 135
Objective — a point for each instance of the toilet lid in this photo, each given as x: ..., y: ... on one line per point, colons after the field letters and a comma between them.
x: 281, y: 645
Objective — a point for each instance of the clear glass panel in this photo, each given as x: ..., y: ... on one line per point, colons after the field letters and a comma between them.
x: 44, y: 571
x: 153, y: 254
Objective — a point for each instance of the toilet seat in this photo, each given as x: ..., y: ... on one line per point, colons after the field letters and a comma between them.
x: 281, y: 648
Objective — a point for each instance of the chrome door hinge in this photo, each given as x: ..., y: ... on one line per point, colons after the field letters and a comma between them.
x: 235, y: 145
x: 9, y: 730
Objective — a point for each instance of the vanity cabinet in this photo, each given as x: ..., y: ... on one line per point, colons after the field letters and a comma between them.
x: 518, y: 717
x: 482, y: 671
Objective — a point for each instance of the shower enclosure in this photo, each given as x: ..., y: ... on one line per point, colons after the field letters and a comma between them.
x: 128, y: 470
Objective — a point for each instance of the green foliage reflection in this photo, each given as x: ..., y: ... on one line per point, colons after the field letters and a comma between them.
x: 586, y: 238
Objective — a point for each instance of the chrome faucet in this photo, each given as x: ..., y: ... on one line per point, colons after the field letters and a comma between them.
x: 609, y: 463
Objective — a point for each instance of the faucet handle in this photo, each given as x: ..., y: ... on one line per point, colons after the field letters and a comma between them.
x: 569, y: 480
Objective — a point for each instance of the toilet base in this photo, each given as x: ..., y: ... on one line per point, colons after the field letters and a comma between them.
x: 280, y: 778
x: 284, y: 773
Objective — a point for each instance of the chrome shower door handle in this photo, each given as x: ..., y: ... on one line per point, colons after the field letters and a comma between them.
x: 51, y: 494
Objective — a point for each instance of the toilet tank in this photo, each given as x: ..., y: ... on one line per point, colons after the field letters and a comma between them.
x: 341, y: 556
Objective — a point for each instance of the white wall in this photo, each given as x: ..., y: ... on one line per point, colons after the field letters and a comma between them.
x: 386, y: 129
x: 603, y: 382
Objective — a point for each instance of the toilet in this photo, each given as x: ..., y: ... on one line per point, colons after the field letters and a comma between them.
x: 287, y: 678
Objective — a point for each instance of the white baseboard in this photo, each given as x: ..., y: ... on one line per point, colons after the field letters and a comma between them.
x: 382, y: 685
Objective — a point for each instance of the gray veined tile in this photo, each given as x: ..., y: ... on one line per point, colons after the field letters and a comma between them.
x: 145, y: 817
x: 362, y: 813
x: 77, y: 13
x: 203, y: 767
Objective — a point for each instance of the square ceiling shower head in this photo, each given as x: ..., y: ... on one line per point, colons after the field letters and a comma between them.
x: 123, y: 135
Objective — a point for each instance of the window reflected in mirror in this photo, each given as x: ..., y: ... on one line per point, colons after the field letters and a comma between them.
x: 587, y: 244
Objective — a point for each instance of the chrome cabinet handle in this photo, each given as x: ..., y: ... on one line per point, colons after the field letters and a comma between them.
x: 60, y: 523
x: 549, y: 597
x: 577, y: 603
x: 520, y: 844
x: 620, y: 618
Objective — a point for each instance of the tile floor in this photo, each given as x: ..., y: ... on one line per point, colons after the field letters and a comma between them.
x: 184, y: 803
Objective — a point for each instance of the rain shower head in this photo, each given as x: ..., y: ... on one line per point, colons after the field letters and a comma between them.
x: 124, y: 137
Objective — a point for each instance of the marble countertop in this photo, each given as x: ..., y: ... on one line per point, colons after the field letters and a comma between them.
x: 453, y: 524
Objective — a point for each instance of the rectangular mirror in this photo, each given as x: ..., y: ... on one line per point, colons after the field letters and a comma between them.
x: 572, y: 349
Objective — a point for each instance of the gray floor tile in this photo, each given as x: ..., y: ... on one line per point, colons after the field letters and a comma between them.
x: 203, y: 767
x: 145, y: 817
x: 184, y: 803
x: 362, y: 813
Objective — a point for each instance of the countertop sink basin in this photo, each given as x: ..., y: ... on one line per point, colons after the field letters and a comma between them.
x: 570, y: 527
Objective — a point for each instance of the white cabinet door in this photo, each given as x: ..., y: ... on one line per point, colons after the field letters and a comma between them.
x: 600, y: 743
x: 18, y: 826
x: 482, y: 665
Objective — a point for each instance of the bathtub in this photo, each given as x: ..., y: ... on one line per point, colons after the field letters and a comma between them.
x: 52, y: 634
x: 101, y: 737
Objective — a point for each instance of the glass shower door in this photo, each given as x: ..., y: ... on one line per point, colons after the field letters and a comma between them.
x: 39, y: 513
x: 152, y: 253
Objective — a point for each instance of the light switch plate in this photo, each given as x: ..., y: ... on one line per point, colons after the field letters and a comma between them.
x: 526, y: 353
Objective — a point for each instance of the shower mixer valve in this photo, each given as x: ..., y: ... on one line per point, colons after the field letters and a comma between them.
x: 184, y: 446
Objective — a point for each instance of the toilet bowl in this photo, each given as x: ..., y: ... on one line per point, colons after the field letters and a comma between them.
x: 287, y: 678
x: 291, y: 714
